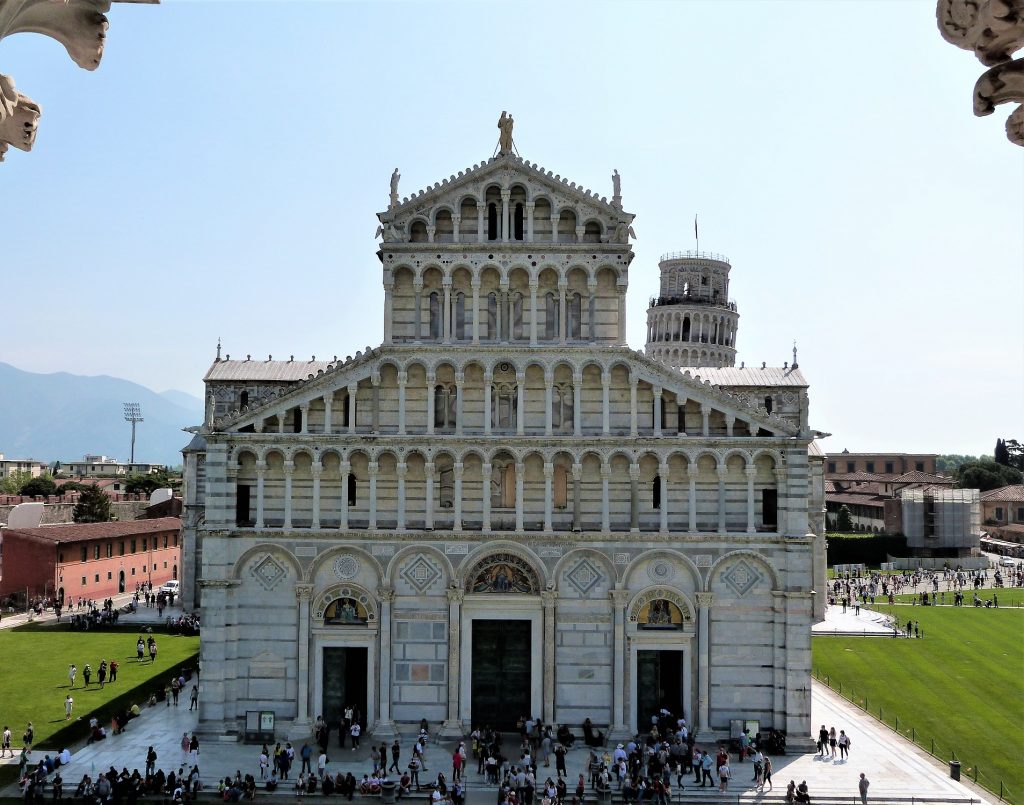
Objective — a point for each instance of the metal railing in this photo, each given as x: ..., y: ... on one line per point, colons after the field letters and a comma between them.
x: 693, y: 299
x: 692, y: 255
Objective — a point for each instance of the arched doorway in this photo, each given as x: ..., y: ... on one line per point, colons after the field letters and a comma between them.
x: 120, y: 582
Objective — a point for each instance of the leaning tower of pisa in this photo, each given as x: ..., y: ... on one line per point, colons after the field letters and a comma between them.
x: 692, y: 322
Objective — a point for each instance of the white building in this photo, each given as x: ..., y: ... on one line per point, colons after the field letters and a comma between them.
x: 502, y: 509
x: 96, y: 466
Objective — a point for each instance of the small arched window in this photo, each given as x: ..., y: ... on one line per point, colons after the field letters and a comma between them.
x: 768, y: 404
x: 656, y: 492
x: 243, y: 399
x: 352, y: 489
x: 518, y: 222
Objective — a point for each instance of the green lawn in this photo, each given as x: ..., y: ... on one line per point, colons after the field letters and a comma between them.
x: 1007, y: 596
x: 34, y: 681
x: 959, y: 686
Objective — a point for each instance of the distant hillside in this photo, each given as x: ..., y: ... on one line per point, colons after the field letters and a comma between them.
x: 63, y: 416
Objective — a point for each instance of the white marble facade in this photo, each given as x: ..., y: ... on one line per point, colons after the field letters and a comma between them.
x: 504, y: 468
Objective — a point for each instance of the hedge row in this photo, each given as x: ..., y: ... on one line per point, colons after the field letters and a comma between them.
x: 869, y: 549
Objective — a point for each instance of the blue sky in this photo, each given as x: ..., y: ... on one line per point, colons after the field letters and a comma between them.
x: 218, y: 176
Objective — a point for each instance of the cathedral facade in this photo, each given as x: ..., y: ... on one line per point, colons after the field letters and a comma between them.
x: 503, y: 510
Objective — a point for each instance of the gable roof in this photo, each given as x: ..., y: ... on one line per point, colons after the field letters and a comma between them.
x: 81, y: 532
x: 482, y: 169
x: 1013, y: 493
x: 916, y: 477
x: 750, y: 376
x: 267, y: 371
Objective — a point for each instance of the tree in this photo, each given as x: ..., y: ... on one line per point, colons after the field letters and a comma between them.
x: 949, y: 462
x: 985, y: 474
x: 12, y: 484
x: 93, y: 506
x: 73, y: 486
x: 1001, y: 455
x: 147, y: 484
x: 1014, y: 454
x: 41, y: 486
x: 844, y: 523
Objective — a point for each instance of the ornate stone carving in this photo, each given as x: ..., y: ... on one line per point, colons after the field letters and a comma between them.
x: 661, y: 572
x: 505, y: 123
x: 584, y: 576
x: 394, y: 189
x: 994, y: 31
x: 741, y: 577
x: 660, y: 607
x: 421, y: 573
x: 79, y: 25
x: 503, y: 573
x: 269, y: 572
x: 704, y: 600
x: 346, y: 567
x: 303, y: 592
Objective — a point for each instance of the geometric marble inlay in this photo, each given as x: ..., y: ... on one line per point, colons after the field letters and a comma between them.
x: 420, y: 573
x: 269, y: 572
x: 660, y: 571
x: 741, y: 577
x: 585, y: 576
x: 346, y: 567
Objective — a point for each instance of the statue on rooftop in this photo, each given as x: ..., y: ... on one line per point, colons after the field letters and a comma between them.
x: 394, y: 188
x: 616, y: 188
x: 505, y: 123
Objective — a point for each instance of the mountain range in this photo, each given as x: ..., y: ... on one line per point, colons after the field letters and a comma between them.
x: 61, y: 416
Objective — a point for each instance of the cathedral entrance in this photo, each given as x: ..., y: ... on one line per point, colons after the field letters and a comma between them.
x: 502, y: 657
x: 659, y: 684
x: 344, y: 682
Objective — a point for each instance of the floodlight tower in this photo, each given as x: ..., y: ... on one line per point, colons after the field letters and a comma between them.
x: 133, y: 414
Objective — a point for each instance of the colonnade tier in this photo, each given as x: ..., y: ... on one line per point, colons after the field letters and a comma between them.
x: 672, y: 323
x: 674, y: 356
x: 700, y: 491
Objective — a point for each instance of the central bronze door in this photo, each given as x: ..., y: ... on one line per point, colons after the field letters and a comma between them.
x: 501, y: 673
x: 659, y: 684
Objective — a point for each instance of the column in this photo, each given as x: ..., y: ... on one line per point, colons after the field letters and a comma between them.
x: 505, y: 196
x: 346, y: 470
x: 529, y: 205
x: 520, y: 403
x: 303, y: 592
x: 606, y: 474
x: 328, y: 411
x: 723, y: 471
x: 261, y: 472
x: 389, y: 286
x: 533, y: 313
x: 580, y: 231
x: 353, y: 390
x: 476, y: 309
x: 304, y: 427
x: 402, y: 379
x: 549, y: 471
x: 577, y: 483
x: 549, y: 380
x: 520, y: 469
x: 431, y: 380
x: 704, y: 602
x: 691, y: 474
x: 456, y: 220
x: 385, y: 726
x: 428, y: 514
x: 459, y: 381
x: 452, y: 726
x: 485, y: 473
x: 400, y: 471
x: 751, y: 472
x: 417, y: 328
x: 316, y: 468
x: 663, y: 496
x: 592, y: 310
x: 488, y: 379
x: 372, y: 469
x: 289, y: 468
x: 375, y: 400
x: 606, y: 382
x: 457, y: 511
x: 730, y: 420
x: 632, y: 406
x: 634, y: 497
x: 280, y: 423
x: 563, y: 290
x: 705, y: 414
x: 657, y: 411
x: 577, y: 405
x: 430, y: 233
x: 619, y: 599
x: 446, y: 319
x: 481, y: 231
x: 781, y: 498
x: 554, y: 226
x: 622, y: 314
x: 549, y: 599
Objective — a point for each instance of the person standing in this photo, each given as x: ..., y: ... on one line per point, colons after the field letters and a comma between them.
x: 87, y: 674
x: 354, y: 731
x: 193, y: 750
x: 306, y: 753
x: 27, y: 738
x: 175, y: 690
x: 194, y: 699
x: 150, y: 761
x: 723, y: 777
x: 69, y: 705
x: 6, y: 746
x: 140, y: 649
x: 844, y: 745
x: 832, y: 741
x: 72, y: 671
x: 113, y: 671
x: 184, y: 744
x: 862, y: 786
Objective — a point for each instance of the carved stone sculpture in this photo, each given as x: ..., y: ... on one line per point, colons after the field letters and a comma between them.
x: 79, y: 25
x: 505, y: 124
x: 616, y: 189
x: 994, y: 31
x: 394, y: 188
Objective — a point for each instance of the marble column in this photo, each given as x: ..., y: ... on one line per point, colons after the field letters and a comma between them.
x: 657, y: 411
x: 481, y: 229
x: 592, y: 311
x: 723, y: 473
x: 549, y: 599
x: 549, y: 471
x: 751, y: 473
x: 554, y: 226
x: 520, y: 471
x: 577, y: 483
x: 704, y: 602
x: 302, y: 724
x: 452, y: 727
x: 403, y: 378
x: 549, y: 380
x: 577, y: 404
x: 375, y: 403
x: 533, y: 313
x: 619, y: 728
x: 606, y: 474
x: 389, y: 287
x: 622, y: 314
x: 289, y: 469
x: 431, y: 381
x: 385, y: 727
x: 346, y: 470
x: 663, y: 470
x: 353, y: 391
x: 457, y: 508
x: 372, y: 468
x: 488, y: 380
x: 261, y: 476
x: 632, y: 406
x: 316, y: 469
x: 304, y: 413
x: 529, y: 205
x: 400, y: 470
x: 634, y: 497
x: 691, y: 474
x: 520, y: 403
x: 428, y: 471
x: 417, y: 326
x: 459, y: 382
x: 328, y: 411
x: 476, y: 310
x: 456, y: 222
x: 446, y: 319
x: 485, y: 480
x: 606, y: 382
x: 505, y: 233
x: 705, y: 414
x: 563, y: 291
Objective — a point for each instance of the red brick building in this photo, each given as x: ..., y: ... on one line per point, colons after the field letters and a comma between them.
x: 89, y: 560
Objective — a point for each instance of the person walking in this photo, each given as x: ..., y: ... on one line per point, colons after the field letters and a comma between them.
x: 6, y: 745
x: 72, y: 671
x: 175, y: 690
x: 140, y: 649
x: 396, y: 752
x: 102, y: 673
x: 194, y: 699
x: 152, y: 650
x: 87, y: 674
x: 354, y: 732
x: 69, y: 705
x: 766, y: 773
x: 723, y: 777
x: 113, y: 671
x: 184, y: 744
x: 862, y: 786
x: 193, y: 750
x: 844, y: 745
x: 832, y: 741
